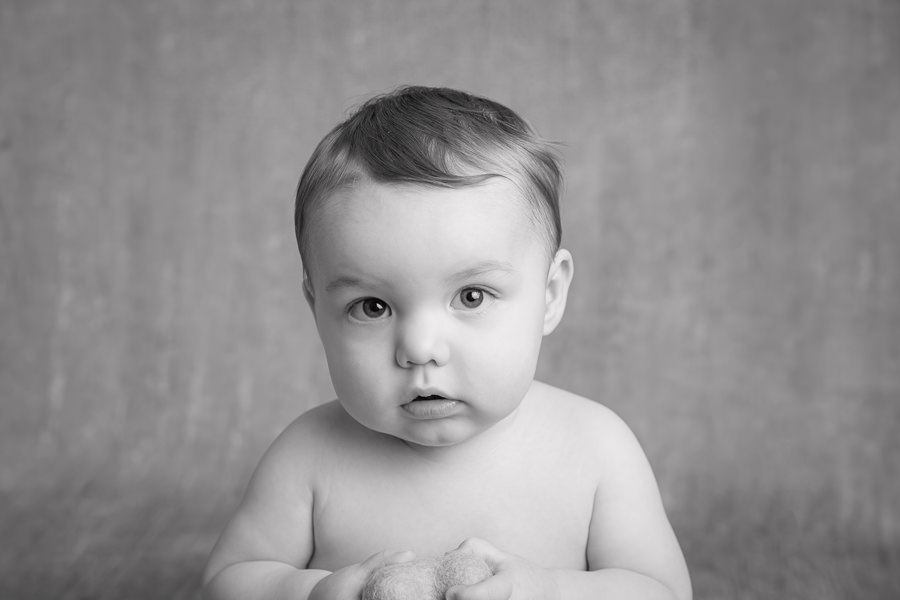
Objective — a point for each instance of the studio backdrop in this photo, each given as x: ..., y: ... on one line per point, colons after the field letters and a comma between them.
x: 732, y: 202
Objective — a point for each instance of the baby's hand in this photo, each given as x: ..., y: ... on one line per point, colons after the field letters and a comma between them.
x: 514, y: 577
x: 349, y: 581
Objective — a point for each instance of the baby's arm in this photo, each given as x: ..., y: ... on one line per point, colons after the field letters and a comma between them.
x: 264, y: 550
x: 632, y: 551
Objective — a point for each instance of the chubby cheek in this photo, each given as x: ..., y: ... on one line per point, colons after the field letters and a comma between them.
x: 355, y: 365
x: 505, y: 358
x: 515, y: 357
x: 362, y: 373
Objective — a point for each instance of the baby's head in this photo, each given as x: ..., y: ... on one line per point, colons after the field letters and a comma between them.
x: 434, y: 137
x: 429, y: 228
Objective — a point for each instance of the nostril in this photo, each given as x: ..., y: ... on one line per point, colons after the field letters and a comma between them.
x: 421, y: 341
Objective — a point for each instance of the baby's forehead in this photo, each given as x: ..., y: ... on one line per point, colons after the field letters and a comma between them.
x: 367, y: 194
x: 370, y: 217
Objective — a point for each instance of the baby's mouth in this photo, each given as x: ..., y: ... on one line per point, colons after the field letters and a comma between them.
x: 432, y: 407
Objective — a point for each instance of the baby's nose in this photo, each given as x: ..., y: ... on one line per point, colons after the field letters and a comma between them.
x: 421, y: 341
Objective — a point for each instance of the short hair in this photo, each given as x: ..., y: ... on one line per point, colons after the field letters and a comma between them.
x: 436, y: 137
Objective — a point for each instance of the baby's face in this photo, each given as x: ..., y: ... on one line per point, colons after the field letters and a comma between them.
x: 430, y: 304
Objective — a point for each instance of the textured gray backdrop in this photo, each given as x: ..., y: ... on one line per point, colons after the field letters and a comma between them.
x: 732, y: 202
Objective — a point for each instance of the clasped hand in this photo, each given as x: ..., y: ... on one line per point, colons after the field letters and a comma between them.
x: 514, y: 577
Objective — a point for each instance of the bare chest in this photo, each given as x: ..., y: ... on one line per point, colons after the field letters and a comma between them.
x: 537, y: 509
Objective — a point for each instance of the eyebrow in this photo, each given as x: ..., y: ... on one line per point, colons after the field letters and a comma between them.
x: 483, y: 268
x: 344, y: 282
x: 476, y: 270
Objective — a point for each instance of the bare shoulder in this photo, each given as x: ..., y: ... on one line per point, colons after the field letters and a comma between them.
x: 300, y: 443
x: 287, y: 475
x: 314, y: 427
x: 602, y: 440
x: 316, y: 447
x: 319, y: 420
x: 579, y: 416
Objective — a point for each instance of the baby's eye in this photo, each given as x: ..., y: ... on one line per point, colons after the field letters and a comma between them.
x: 370, y: 309
x: 472, y: 297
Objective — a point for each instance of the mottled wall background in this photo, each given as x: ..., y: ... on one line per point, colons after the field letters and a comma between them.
x: 733, y: 204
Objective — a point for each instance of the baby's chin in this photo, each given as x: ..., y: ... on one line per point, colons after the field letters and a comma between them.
x: 439, y: 434
x: 436, y: 439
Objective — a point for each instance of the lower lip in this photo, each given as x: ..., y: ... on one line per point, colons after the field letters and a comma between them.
x: 431, y: 409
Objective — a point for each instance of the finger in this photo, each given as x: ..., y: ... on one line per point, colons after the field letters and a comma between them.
x: 483, y: 549
x: 402, y: 556
x: 492, y: 588
x: 386, y: 557
x: 382, y: 559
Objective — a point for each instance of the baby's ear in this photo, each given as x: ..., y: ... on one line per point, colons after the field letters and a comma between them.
x: 308, y: 292
x: 558, y: 279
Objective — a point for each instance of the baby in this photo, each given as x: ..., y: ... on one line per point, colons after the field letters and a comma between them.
x: 428, y: 224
